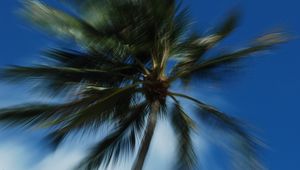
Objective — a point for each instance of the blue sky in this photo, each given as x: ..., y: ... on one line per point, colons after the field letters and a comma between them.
x: 265, y: 93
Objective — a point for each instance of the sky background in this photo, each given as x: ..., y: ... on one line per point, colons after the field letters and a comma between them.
x: 265, y: 93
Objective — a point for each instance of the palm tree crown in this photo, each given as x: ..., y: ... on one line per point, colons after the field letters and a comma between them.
x: 119, y: 76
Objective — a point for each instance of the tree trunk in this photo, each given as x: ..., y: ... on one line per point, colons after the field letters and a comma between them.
x: 149, y: 131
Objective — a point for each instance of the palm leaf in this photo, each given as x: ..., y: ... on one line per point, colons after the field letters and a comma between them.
x: 260, y: 44
x: 64, y: 79
x: 66, y: 73
x: 247, y: 145
x: 183, y: 124
x: 148, y: 134
x: 58, y: 22
x: 203, y: 66
x: 79, y: 59
x: 65, y: 25
x: 26, y: 115
x: 42, y: 115
x: 118, y: 143
x: 91, y: 117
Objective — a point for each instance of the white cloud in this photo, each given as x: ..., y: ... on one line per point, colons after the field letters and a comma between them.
x: 14, y: 156
x: 17, y: 155
x: 162, y: 148
x: 63, y: 159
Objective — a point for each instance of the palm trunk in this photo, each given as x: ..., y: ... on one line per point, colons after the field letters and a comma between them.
x: 149, y: 131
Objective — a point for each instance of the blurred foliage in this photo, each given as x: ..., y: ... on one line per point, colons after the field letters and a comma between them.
x: 119, y: 76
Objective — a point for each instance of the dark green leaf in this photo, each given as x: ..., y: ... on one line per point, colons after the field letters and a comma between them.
x: 183, y: 126
x: 119, y: 143
x: 94, y: 115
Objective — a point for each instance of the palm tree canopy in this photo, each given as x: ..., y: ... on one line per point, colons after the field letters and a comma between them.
x: 119, y: 76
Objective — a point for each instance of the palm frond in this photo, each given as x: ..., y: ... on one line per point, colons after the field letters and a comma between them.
x: 67, y: 73
x: 259, y: 45
x: 223, y: 30
x: 58, y: 22
x: 194, y: 46
x: 119, y: 143
x: 244, y: 149
x: 180, y: 27
x: 64, y: 79
x: 183, y: 124
x: 148, y: 134
x: 91, y: 60
x: 81, y: 59
x: 42, y: 115
x: 200, y: 68
x: 90, y: 118
x: 247, y: 145
x: 25, y: 115
x: 68, y: 26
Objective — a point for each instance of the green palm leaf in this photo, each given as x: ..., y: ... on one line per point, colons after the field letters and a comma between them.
x: 94, y: 115
x: 58, y: 22
x: 183, y: 125
x: 201, y: 67
x: 42, y: 115
x: 119, y: 143
x: 247, y: 145
x: 147, y: 137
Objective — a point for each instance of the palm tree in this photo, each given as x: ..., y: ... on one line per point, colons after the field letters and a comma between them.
x: 118, y: 74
